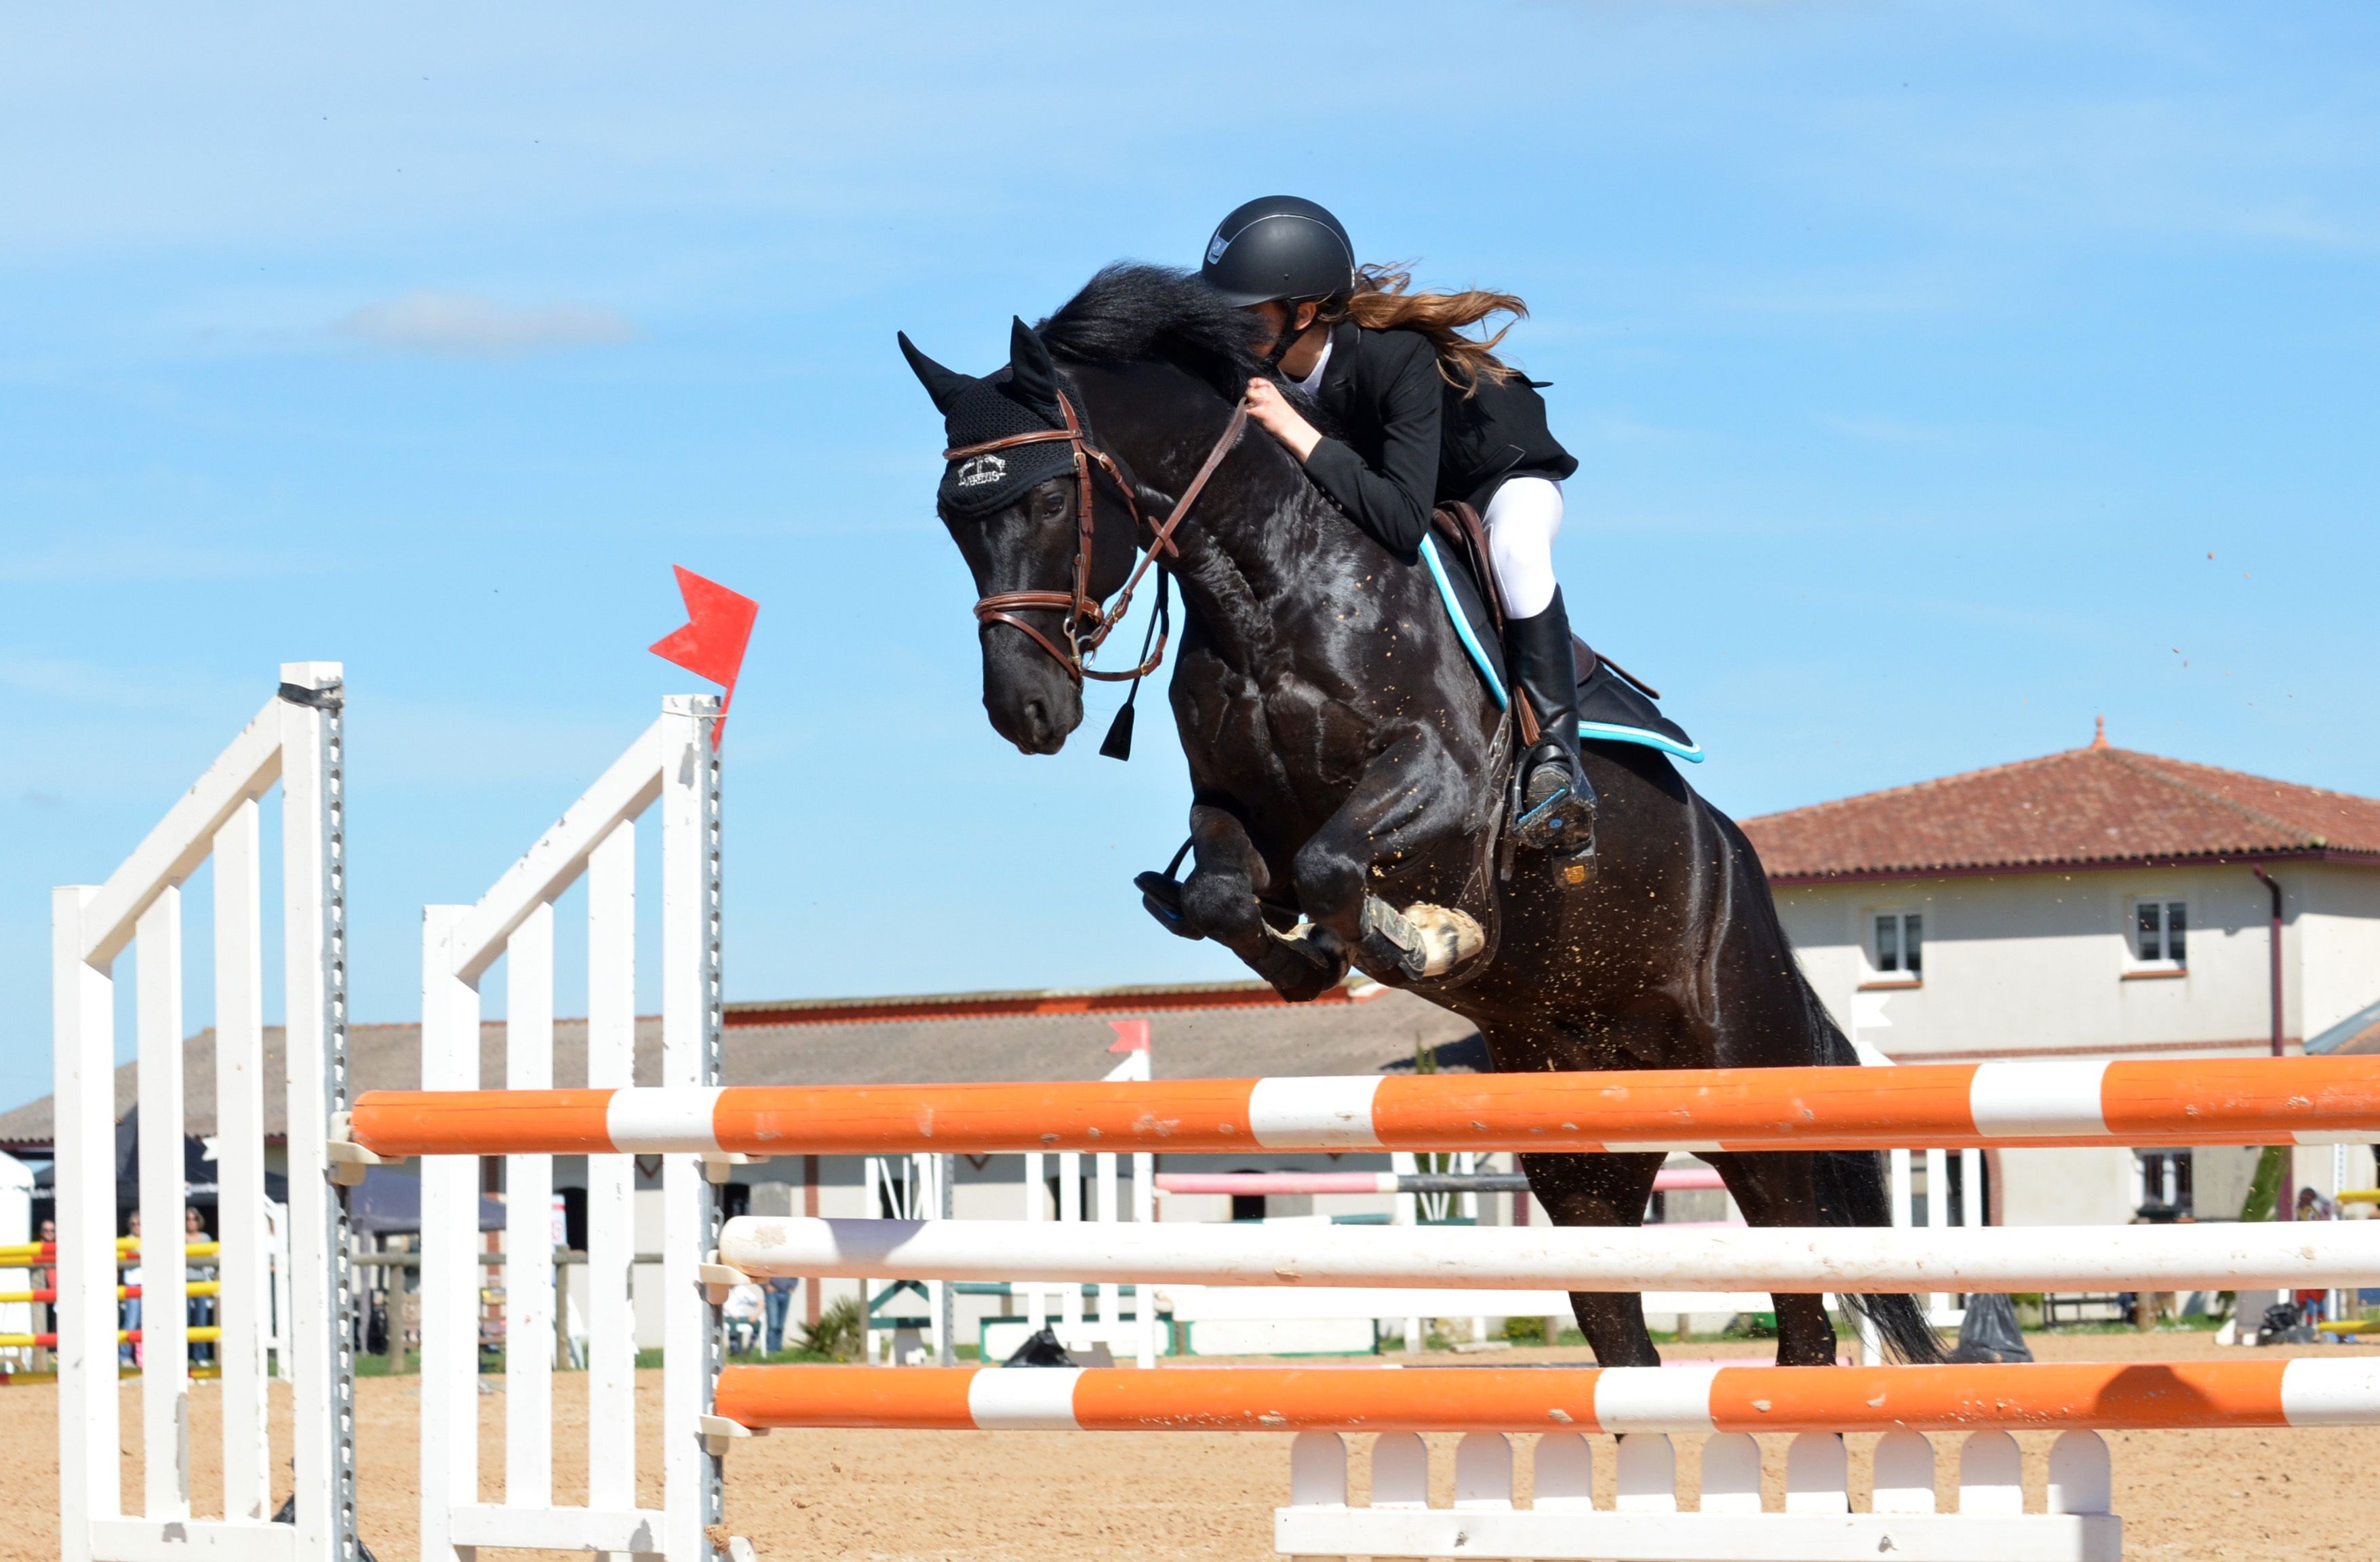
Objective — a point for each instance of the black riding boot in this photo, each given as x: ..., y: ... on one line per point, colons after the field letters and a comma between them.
x: 1557, y: 808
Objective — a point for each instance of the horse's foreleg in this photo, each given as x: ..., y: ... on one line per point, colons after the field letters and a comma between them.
x: 1782, y: 1190
x: 1220, y: 901
x: 1601, y: 1191
x: 1410, y: 798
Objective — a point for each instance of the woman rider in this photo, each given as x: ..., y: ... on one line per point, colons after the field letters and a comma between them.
x: 1430, y: 416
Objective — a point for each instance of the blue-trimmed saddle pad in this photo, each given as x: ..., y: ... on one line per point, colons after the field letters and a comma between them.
x: 1610, y: 709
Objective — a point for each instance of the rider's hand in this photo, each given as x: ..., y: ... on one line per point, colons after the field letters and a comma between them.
x: 1270, y: 408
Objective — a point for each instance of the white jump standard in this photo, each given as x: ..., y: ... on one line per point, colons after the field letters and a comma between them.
x: 297, y: 741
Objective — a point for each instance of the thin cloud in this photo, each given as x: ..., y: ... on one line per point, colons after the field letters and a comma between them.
x: 470, y: 325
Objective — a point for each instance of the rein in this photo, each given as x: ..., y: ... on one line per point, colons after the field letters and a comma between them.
x: 1088, y: 623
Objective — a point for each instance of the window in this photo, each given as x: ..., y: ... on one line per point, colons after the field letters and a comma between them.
x: 1899, y: 952
x: 2161, y: 933
x: 2163, y: 1184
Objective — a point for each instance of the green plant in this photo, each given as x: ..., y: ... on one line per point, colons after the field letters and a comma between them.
x: 1525, y: 1331
x: 838, y: 1336
x: 2264, y: 1191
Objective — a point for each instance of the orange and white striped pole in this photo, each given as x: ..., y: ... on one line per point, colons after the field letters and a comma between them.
x: 2099, y: 1395
x: 2215, y: 1101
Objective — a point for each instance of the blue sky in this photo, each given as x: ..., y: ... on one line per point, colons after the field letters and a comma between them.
x: 1942, y: 377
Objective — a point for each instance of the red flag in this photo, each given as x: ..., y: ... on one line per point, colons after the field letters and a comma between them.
x: 711, y: 643
x: 1132, y: 1035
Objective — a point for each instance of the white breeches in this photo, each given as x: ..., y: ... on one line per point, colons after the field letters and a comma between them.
x: 1522, y: 521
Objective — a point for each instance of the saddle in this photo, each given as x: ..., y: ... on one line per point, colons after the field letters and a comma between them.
x: 1614, y: 705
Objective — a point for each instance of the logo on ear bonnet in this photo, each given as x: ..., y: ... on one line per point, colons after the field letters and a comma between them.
x: 977, y: 470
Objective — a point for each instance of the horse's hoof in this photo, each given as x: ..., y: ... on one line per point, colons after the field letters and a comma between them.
x: 1448, y: 936
x: 1303, y: 964
x: 1415, y: 944
x: 1388, y: 949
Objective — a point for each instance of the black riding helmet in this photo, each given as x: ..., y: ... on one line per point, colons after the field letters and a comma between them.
x: 1278, y: 248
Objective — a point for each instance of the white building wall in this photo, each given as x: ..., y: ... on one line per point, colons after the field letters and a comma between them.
x: 2335, y: 913
x: 2037, y: 963
x: 2042, y: 964
x: 2078, y: 1186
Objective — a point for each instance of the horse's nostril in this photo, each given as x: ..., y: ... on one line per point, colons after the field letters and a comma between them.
x: 1037, y: 719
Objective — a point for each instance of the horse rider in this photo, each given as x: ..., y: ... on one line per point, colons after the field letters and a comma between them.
x: 1430, y: 416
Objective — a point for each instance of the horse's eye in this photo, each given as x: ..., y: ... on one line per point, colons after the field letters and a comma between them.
x: 1053, y: 504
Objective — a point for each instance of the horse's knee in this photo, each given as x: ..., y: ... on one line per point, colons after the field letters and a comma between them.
x: 1223, y: 905
x: 1330, y: 887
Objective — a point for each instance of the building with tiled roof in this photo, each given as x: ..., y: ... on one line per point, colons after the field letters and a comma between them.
x: 2097, y: 902
x: 2085, y: 808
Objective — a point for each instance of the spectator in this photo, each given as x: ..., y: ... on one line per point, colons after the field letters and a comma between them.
x: 781, y: 1301
x: 2314, y: 1305
x: 46, y: 1313
x: 741, y: 1317
x: 197, y: 1309
x: 129, y: 1354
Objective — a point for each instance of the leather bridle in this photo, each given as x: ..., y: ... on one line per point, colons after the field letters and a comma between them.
x: 1087, y: 622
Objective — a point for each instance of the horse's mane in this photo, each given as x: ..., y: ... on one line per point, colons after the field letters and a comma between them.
x: 1131, y: 312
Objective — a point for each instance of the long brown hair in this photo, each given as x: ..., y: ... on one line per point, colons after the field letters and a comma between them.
x: 1380, y: 302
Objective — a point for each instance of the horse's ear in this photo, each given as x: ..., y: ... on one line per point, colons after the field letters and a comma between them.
x: 1034, y: 377
x: 942, y: 384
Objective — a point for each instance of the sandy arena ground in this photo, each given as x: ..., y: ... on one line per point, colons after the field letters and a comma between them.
x: 1050, y: 1496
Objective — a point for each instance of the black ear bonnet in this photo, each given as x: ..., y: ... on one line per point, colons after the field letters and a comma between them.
x: 1021, y: 398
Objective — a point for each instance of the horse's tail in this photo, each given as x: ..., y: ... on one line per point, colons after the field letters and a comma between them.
x: 1854, y: 1189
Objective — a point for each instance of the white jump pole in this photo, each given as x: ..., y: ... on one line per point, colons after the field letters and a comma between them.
x: 1849, y: 1259
x: 1938, y: 1212
x: 1111, y: 1295
x: 1070, y: 1215
x: 1144, y: 1211
x: 1405, y: 1163
x: 612, y: 1180
x: 871, y: 1191
x: 1037, y: 1212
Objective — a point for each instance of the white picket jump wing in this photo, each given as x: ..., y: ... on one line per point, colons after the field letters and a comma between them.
x: 671, y: 763
x: 297, y: 741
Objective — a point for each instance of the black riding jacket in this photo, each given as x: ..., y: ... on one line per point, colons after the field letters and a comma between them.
x: 1411, y: 442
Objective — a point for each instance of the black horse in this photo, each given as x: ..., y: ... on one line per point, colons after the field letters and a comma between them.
x: 1348, y: 766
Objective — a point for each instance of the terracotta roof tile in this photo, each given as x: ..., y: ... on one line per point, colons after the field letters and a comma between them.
x: 2083, y: 808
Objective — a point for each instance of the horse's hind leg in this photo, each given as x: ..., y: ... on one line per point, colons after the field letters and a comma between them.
x: 1601, y: 1191
x: 1781, y: 1190
x: 1218, y: 901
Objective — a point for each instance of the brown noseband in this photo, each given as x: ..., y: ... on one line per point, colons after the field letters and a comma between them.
x: 1087, y: 623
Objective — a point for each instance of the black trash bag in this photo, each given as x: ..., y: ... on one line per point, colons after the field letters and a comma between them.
x: 288, y: 1515
x: 2284, y: 1325
x: 1041, y: 1350
x: 1990, y: 1332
